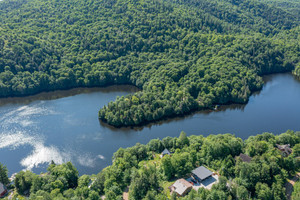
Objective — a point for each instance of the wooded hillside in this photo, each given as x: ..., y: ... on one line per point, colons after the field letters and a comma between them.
x: 184, y: 55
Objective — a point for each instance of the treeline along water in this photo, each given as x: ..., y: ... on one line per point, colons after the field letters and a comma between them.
x: 63, y: 125
x: 186, y: 55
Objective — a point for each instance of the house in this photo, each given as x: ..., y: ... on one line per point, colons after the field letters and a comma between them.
x: 285, y: 149
x: 181, y: 187
x: 201, y: 173
x: 3, y: 190
x: 165, y: 152
x: 244, y: 157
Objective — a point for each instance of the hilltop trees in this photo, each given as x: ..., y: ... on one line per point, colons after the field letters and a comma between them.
x: 184, y: 55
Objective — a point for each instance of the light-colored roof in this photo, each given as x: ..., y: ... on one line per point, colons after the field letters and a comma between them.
x: 286, y: 148
x: 181, y: 186
x: 166, y: 151
x: 202, y: 172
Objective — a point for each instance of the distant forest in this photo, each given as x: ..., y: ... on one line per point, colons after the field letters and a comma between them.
x: 184, y: 55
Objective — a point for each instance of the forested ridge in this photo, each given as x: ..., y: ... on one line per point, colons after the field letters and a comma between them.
x: 184, y: 55
x: 148, y: 176
x: 291, y: 5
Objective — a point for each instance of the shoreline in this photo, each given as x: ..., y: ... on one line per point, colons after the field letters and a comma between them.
x: 62, y: 93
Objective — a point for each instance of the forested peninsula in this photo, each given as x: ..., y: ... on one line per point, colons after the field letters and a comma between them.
x: 256, y: 168
x: 184, y: 55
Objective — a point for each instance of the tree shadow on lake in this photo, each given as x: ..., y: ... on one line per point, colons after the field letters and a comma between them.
x: 53, y: 95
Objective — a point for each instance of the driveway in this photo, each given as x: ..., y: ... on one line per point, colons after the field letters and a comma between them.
x: 290, y: 184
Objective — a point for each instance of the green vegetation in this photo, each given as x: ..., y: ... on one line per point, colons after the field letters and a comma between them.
x: 148, y: 176
x: 184, y: 55
x: 288, y: 5
x: 3, y: 174
x: 296, y: 72
x: 296, y: 192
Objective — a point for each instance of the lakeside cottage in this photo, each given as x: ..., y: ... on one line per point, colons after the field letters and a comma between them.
x: 285, y: 149
x: 201, y: 173
x: 165, y: 152
x: 244, y: 158
x: 3, y: 190
x: 181, y: 187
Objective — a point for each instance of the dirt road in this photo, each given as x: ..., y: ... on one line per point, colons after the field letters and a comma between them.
x: 289, y: 185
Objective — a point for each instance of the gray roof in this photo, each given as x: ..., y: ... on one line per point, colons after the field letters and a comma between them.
x: 181, y: 186
x: 166, y: 151
x: 202, y: 172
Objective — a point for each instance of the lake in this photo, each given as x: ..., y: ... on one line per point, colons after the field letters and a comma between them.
x: 63, y: 125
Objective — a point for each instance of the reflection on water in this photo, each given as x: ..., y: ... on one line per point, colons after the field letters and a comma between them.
x: 66, y: 93
x: 19, y: 128
x: 63, y: 126
x: 47, y: 127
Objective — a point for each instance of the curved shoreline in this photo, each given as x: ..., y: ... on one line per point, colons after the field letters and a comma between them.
x: 56, y: 94
x: 194, y: 111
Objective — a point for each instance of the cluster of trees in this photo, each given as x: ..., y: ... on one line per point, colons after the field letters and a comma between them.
x: 60, y: 182
x: 296, y: 192
x: 292, y: 6
x: 3, y: 175
x: 184, y: 55
x: 249, y: 14
x: 297, y: 70
x: 145, y: 174
x: 219, y: 69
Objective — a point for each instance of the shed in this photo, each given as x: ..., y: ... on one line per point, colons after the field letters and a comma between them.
x: 165, y: 152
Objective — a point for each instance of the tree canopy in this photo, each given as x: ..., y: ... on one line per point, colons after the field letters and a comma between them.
x: 184, y: 55
x: 146, y: 175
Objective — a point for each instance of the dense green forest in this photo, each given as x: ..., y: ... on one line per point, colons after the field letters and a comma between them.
x: 289, y: 5
x: 185, y: 55
x: 148, y: 176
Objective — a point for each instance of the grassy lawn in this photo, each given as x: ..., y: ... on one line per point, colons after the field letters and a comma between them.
x: 155, y: 161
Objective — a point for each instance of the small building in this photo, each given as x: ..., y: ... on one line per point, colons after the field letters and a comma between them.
x: 201, y: 173
x: 244, y: 157
x: 165, y: 152
x: 181, y: 187
x: 285, y: 149
x: 3, y: 190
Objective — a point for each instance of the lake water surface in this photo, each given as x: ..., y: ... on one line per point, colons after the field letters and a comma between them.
x: 63, y: 125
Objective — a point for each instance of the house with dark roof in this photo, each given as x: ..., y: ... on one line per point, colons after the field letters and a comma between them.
x: 285, y: 149
x: 3, y: 190
x: 165, y: 152
x: 201, y: 173
x: 181, y: 187
x: 244, y: 157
